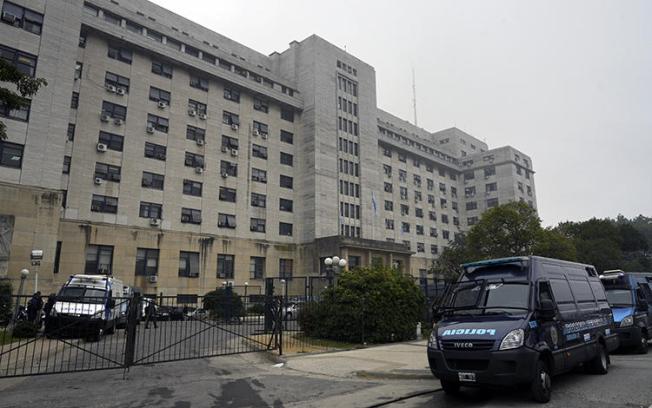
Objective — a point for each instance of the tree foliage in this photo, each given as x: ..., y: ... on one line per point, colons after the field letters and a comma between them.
x: 26, y: 87
x: 222, y: 303
x: 5, y: 300
x: 375, y: 304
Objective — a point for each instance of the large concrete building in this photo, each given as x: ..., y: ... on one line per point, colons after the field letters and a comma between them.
x: 176, y: 158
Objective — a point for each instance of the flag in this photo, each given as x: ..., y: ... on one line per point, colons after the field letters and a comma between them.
x: 374, y: 204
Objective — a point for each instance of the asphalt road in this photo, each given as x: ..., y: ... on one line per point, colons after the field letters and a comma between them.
x: 628, y: 384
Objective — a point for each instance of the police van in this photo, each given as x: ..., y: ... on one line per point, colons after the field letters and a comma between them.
x: 521, y: 320
x: 630, y: 298
x: 89, y: 306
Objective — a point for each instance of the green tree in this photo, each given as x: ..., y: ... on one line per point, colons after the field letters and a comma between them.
x: 552, y: 244
x: 222, y: 303
x: 26, y: 87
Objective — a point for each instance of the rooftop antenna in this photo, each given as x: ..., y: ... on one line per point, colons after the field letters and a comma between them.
x: 414, y: 97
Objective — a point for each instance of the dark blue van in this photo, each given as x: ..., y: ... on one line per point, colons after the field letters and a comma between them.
x: 630, y: 298
x: 521, y: 320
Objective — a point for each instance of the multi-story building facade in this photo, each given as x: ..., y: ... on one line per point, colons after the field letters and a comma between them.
x: 176, y: 158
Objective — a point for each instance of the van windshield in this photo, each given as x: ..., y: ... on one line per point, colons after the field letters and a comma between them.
x: 489, y: 297
x: 619, y: 298
x: 81, y: 294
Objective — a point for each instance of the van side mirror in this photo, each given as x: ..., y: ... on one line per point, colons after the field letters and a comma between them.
x: 436, y: 313
x: 546, y: 310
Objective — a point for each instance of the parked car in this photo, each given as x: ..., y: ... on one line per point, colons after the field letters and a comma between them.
x: 196, y: 314
x: 170, y: 313
x: 630, y: 298
x: 521, y: 320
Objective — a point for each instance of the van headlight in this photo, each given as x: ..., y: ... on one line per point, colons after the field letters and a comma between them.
x: 432, y: 341
x: 627, y: 321
x: 512, y: 340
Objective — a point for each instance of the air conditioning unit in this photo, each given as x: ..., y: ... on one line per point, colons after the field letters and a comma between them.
x: 105, y: 118
x: 256, y: 132
x: 121, y: 91
x: 99, y: 180
x: 263, y: 135
x: 155, y: 222
x: 235, y: 126
x: 234, y: 152
x: 224, y: 149
x: 162, y: 105
x: 199, y: 170
x: 152, y: 279
x: 203, y: 116
x: 8, y: 17
x: 101, y: 147
x: 111, y: 88
x: 192, y: 112
x: 200, y: 142
x: 117, y: 122
x: 225, y: 174
x: 150, y: 129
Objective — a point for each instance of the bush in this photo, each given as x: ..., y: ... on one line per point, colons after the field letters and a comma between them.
x: 24, y: 329
x: 257, y: 309
x: 374, y: 305
x: 5, y: 301
x: 223, y: 303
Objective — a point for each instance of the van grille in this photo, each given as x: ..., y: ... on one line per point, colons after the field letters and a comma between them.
x: 462, y: 345
x: 470, y: 365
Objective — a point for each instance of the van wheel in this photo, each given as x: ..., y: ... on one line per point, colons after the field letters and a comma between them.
x: 642, y: 346
x: 541, y: 387
x: 450, y: 387
x: 600, y: 363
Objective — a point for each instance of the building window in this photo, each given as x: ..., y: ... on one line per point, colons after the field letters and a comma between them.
x: 285, y: 205
x: 259, y: 151
x: 229, y: 143
x: 57, y: 258
x: 287, y: 114
x: 195, y: 133
x: 66, y: 164
x: 446, y: 234
x: 190, y: 216
x: 287, y: 137
x: 225, y: 266
x: 418, y: 212
x: 257, y: 225
x: 104, y: 204
x: 285, y: 268
x: 151, y: 210
x: 471, y: 205
x: 405, y: 210
x: 472, y: 220
x: 286, y: 181
x: 491, y: 187
x: 114, y: 111
x: 285, y: 229
x: 25, y: 63
x: 71, y: 132
x: 188, y: 299
x: 230, y: 119
x: 194, y: 160
x: 287, y: 159
x: 107, y: 172
x: 433, y: 232
x: 192, y: 188
x: 199, y: 83
x: 421, y: 247
x: 22, y: 17
x: 469, y: 192
x: 261, y: 105
x: 11, y: 155
x: 405, y: 227
x: 228, y: 169
x: 492, y: 202
x: 388, y: 187
x: 258, y: 175
x: 117, y: 81
x: 79, y: 68
x: 154, y: 151
x: 434, y: 250
x: 146, y: 262
x: 256, y: 267
x: 389, y: 206
x: 231, y: 94
x: 188, y: 264
x: 196, y: 108
x: 490, y: 171
x: 258, y: 200
x: 227, y: 194
x: 260, y: 128
x: 402, y: 176
x: 226, y: 221
x: 99, y: 260
x: 121, y: 54
x: 153, y: 180
x: 403, y: 193
x: 389, y: 224
x: 159, y: 95
x: 444, y: 218
x: 74, y: 101
x: 469, y: 175
x: 111, y: 140
x: 162, y: 69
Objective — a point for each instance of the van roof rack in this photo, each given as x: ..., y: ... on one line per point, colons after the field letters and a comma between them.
x: 496, y: 261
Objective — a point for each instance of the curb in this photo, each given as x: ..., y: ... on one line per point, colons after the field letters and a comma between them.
x: 396, y: 375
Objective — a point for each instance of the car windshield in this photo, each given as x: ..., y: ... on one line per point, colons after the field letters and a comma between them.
x: 619, y: 297
x: 490, y: 297
x: 81, y: 294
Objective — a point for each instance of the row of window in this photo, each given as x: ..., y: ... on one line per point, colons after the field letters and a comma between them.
x: 21, y: 114
x: 346, y: 85
x: 349, y: 189
x: 417, y: 163
x: 348, y: 146
x: 349, y: 210
x: 23, y: 61
x: 22, y: 17
x: 405, y: 228
x: 347, y: 126
x: 418, y: 196
x: 349, y: 167
x: 99, y: 259
x: 488, y: 172
x: 419, y: 146
x: 347, y: 106
x: 350, y: 231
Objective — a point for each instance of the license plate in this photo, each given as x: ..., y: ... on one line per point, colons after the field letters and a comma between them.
x: 466, y: 377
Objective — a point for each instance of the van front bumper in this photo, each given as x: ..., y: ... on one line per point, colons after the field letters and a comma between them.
x: 494, y: 368
x: 629, y: 336
x: 73, y: 325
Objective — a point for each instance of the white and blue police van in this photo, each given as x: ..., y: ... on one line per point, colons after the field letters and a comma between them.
x: 630, y: 297
x: 521, y: 320
x: 89, y: 306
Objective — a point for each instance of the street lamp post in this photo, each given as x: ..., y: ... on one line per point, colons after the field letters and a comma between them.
x: 333, y: 266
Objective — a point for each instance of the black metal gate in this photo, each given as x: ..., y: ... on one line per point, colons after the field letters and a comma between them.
x: 80, y: 339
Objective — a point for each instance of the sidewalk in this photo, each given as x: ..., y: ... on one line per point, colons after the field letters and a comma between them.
x: 395, y: 361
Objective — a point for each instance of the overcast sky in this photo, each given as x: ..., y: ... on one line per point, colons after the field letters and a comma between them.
x: 567, y: 82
